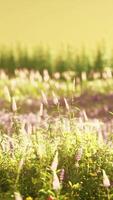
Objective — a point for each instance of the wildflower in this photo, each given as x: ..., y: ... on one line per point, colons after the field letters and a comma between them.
x: 66, y: 104
x: 56, y: 75
x: 7, y: 93
x: 13, y: 105
x: 55, y: 99
x: 56, y: 183
x: 79, y: 154
x: 46, y: 75
x: 55, y: 162
x: 18, y: 196
x: 62, y: 175
x: 106, y: 181
x: 44, y: 98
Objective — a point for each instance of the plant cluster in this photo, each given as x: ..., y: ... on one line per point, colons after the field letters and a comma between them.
x: 64, y: 160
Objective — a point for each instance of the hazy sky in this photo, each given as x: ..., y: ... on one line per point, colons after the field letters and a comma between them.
x: 56, y: 22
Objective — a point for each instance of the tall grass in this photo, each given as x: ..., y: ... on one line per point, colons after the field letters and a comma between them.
x: 41, y: 59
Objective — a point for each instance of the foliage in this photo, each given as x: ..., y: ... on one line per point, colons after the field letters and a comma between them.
x: 68, y: 60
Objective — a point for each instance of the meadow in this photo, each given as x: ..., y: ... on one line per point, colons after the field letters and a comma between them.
x: 56, y: 125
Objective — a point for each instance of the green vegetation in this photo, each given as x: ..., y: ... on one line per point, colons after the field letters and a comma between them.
x: 40, y: 59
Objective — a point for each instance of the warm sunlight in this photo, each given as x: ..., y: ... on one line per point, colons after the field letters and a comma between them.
x: 56, y: 23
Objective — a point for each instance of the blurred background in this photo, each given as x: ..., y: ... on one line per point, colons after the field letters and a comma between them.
x: 56, y: 23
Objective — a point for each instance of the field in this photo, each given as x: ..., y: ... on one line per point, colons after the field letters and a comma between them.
x: 56, y: 133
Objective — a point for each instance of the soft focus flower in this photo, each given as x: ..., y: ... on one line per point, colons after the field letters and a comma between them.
x: 55, y: 99
x: 56, y: 183
x: 44, y: 98
x: 17, y: 196
x: 46, y: 75
x: 106, y: 181
x: 56, y: 75
x: 55, y: 162
x: 13, y: 105
x: 79, y: 154
x: 7, y: 93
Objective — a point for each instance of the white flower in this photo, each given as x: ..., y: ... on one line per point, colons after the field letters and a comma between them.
x: 106, y: 181
x: 14, y: 106
x: 56, y: 182
x: 55, y: 162
x: 18, y: 196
